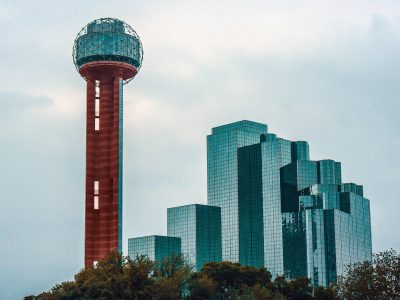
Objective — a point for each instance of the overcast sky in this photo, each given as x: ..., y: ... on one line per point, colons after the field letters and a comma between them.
x: 323, y: 71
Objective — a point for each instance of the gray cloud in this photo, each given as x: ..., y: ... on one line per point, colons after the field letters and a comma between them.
x: 12, y: 103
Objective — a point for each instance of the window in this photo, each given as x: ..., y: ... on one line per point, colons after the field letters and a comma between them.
x: 96, y: 187
x: 96, y: 194
x: 97, y: 106
x: 97, y: 88
x: 96, y: 202
x: 97, y: 124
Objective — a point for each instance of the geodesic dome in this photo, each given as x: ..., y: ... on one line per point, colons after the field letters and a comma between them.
x: 107, y: 39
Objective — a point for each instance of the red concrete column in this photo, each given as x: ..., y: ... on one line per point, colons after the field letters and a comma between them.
x: 90, y: 142
x: 102, y: 164
x: 102, y: 157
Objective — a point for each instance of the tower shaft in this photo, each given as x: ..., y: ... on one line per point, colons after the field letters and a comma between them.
x: 103, y: 211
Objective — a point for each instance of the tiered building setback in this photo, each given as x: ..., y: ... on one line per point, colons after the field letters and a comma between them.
x: 291, y: 215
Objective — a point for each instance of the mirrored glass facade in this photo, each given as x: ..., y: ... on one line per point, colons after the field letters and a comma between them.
x: 331, y: 229
x: 260, y: 224
x: 222, y: 177
x: 301, y: 174
x: 155, y: 247
x: 250, y: 208
x: 199, y: 228
x: 280, y: 209
x: 275, y: 153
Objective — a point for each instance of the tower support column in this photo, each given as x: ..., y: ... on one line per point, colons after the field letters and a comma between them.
x: 102, y: 228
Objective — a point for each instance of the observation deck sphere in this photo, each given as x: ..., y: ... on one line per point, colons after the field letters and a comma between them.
x: 110, y: 40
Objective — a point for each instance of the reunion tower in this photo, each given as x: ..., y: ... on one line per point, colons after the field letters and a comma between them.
x: 107, y: 53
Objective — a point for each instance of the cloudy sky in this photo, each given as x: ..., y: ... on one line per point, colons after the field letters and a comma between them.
x: 323, y: 71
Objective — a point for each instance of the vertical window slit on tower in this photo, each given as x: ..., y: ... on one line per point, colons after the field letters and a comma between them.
x: 97, y: 106
x: 97, y: 88
x: 96, y: 194
x: 96, y: 123
x: 96, y: 202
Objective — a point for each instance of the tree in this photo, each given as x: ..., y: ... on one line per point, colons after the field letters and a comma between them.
x: 295, y: 289
x: 139, y: 277
x: 322, y: 293
x: 171, y: 276
x: 65, y: 291
x: 263, y: 293
x: 231, y: 280
x: 119, y: 277
x: 379, y: 279
x: 106, y: 280
x: 201, y: 287
x: 387, y: 274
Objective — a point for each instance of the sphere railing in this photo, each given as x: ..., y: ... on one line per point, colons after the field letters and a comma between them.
x: 107, y: 39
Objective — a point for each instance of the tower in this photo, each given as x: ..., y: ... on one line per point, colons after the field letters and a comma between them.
x: 108, y: 54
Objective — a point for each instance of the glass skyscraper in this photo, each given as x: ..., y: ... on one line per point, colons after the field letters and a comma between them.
x: 281, y: 210
x: 330, y: 230
x: 199, y: 228
x: 222, y: 177
x: 155, y: 247
x: 260, y: 224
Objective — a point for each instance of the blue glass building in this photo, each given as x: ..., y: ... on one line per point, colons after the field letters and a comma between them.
x: 222, y: 177
x: 281, y: 210
x: 260, y: 189
x: 330, y: 230
x: 199, y: 228
x: 155, y: 247
x: 301, y: 174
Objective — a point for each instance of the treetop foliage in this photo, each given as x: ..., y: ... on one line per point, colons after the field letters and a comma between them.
x: 379, y: 279
x: 119, y: 277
